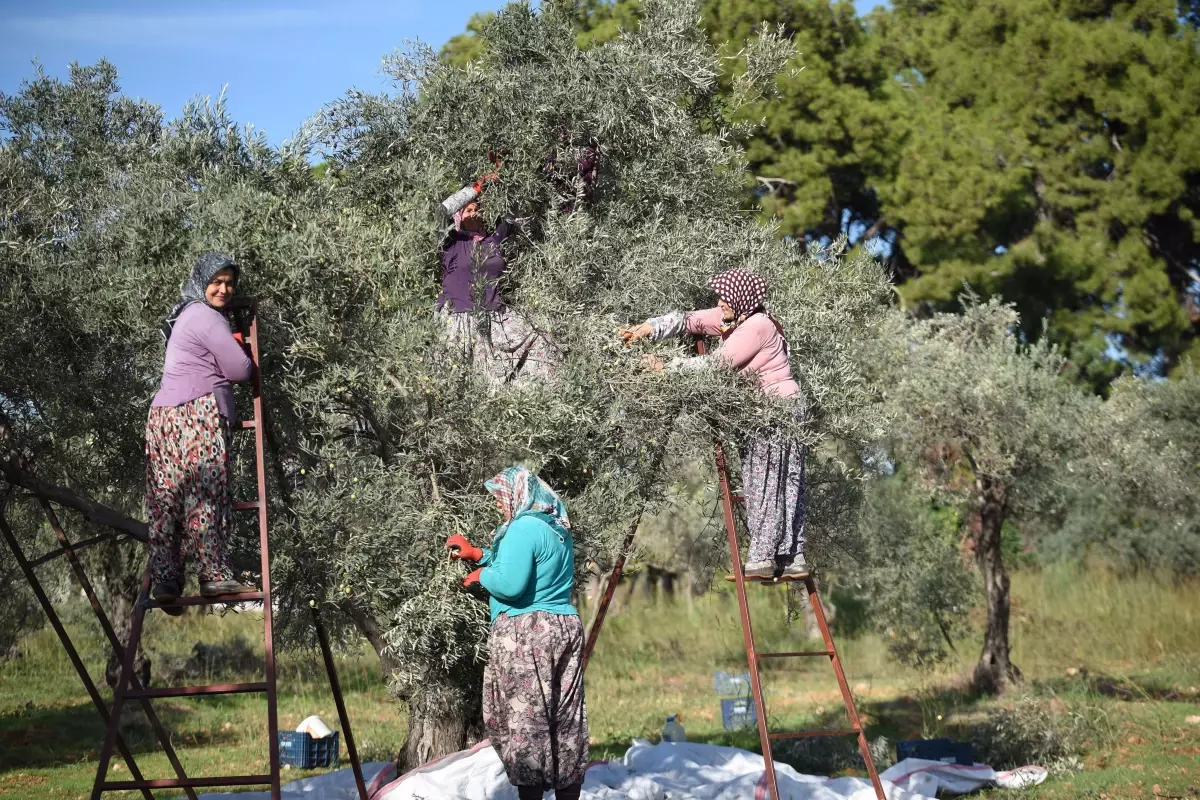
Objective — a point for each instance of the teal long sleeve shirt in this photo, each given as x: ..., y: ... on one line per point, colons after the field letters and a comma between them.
x: 531, y: 568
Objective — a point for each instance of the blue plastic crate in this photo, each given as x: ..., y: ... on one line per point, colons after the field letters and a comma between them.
x: 303, y: 751
x: 944, y: 750
x: 738, y: 712
x: 728, y: 684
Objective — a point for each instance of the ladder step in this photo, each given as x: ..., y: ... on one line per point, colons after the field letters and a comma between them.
x: 183, y: 783
x: 249, y: 505
x: 810, y: 734
x: 190, y: 691
x: 737, y: 498
x: 798, y: 654
x: 198, y: 600
x: 248, y: 424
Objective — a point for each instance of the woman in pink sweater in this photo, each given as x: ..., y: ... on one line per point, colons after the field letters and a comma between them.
x: 752, y: 343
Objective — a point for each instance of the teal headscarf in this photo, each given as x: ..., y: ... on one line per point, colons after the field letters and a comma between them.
x: 521, y: 492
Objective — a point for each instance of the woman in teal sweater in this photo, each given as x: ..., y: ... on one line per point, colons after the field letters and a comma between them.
x: 533, y: 707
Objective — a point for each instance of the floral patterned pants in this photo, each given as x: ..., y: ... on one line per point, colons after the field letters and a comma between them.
x: 502, y: 345
x: 189, y: 496
x: 773, y: 484
x: 533, y: 708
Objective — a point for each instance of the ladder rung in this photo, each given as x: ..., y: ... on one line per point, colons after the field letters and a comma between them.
x: 198, y: 600
x: 183, y: 783
x: 737, y: 498
x: 810, y: 734
x: 798, y: 654
x: 189, y: 691
x: 248, y: 424
x: 249, y: 505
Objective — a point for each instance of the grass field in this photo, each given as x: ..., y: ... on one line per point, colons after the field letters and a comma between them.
x: 1112, y: 697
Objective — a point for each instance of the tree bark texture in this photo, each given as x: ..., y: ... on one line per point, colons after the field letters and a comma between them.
x: 433, y: 731
x: 995, y: 671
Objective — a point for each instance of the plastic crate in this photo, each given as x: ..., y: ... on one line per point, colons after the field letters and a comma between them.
x: 738, y: 712
x: 727, y: 684
x: 945, y: 750
x: 303, y: 751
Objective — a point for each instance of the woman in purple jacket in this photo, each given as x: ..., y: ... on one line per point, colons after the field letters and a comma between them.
x: 189, y: 497
x: 495, y: 338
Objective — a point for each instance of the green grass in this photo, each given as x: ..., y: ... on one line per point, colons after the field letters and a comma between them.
x: 1116, y: 660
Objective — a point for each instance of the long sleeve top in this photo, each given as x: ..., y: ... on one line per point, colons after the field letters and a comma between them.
x: 531, y: 568
x: 471, y: 270
x: 754, y: 348
x: 202, y: 357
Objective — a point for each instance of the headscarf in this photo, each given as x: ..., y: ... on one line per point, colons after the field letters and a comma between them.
x: 207, y: 267
x: 521, y: 492
x: 744, y: 292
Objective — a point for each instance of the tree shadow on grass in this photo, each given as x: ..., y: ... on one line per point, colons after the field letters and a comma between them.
x: 43, y: 737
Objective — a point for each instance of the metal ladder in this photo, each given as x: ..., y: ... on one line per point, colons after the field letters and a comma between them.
x: 128, y: 689
x: 728, y: 498
x: 753, y: 657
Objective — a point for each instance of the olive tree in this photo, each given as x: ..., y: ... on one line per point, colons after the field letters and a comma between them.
x: 378, y: 437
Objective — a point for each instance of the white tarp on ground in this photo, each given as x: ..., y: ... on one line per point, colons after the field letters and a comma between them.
x: 683, y: 771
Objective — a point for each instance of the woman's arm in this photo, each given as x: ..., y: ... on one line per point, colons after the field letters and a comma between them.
x: 217, y: 337
x: 510, y: 572
x: 737, y: 351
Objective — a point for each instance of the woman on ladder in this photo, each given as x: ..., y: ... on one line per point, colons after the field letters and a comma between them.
x: 189, y: 492
x: 533, y: 708
x: 752, y: 343
x: 496, y: 338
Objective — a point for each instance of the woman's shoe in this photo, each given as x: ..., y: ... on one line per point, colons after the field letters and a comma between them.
x: 797, y: 570
x: 166, y: 592
x: 212, y: 589
x: 759, y: 571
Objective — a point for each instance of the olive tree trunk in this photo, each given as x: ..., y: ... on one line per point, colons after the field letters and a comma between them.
x: 433, y: 730
x: 995, y: 671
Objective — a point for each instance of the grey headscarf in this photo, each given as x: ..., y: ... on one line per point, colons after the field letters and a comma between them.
x: 207, y: 266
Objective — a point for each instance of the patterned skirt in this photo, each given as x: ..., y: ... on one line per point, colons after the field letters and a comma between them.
x: 773, y: 484
x: 502, y: 344
x: 533, y: 709
x: 189, y: 492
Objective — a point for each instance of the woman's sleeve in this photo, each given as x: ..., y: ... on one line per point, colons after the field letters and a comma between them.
x: 705, y: 323
x: 666, y: 326
x: 737, y: 351
x: 487, y: 557
x: 232, y: 360
x: 510, y: 572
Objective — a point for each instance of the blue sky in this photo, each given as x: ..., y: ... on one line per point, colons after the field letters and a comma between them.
x: 280, y: 62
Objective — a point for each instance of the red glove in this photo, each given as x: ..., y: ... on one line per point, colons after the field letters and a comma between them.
x: 472, y: 579
x: 461, y: 548
x: 488, y: 178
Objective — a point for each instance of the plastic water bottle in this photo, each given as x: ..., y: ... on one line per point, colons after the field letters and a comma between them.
x: 673, y: 731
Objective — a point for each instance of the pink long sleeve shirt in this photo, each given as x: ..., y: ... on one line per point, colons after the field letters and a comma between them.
x: 754, y: 348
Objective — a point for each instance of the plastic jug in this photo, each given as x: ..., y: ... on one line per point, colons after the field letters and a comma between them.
x: 673, y: 731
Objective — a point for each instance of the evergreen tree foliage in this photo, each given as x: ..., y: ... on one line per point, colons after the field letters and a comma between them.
x: 379, y: 439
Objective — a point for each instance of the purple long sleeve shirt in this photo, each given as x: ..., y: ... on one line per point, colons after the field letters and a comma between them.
x: 471, y: 270
x: 202, y: 357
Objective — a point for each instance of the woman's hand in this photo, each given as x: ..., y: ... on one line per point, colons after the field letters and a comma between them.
x: 653, y: 363
x: 459, y: 547
x: 472, y: 579
x: 636, y: 332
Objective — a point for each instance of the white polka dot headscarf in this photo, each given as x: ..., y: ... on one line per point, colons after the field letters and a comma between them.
x: 743, y: 291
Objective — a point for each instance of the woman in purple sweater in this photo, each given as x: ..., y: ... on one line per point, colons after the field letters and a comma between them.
x: 495, y: 338
x: 189, y: 497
